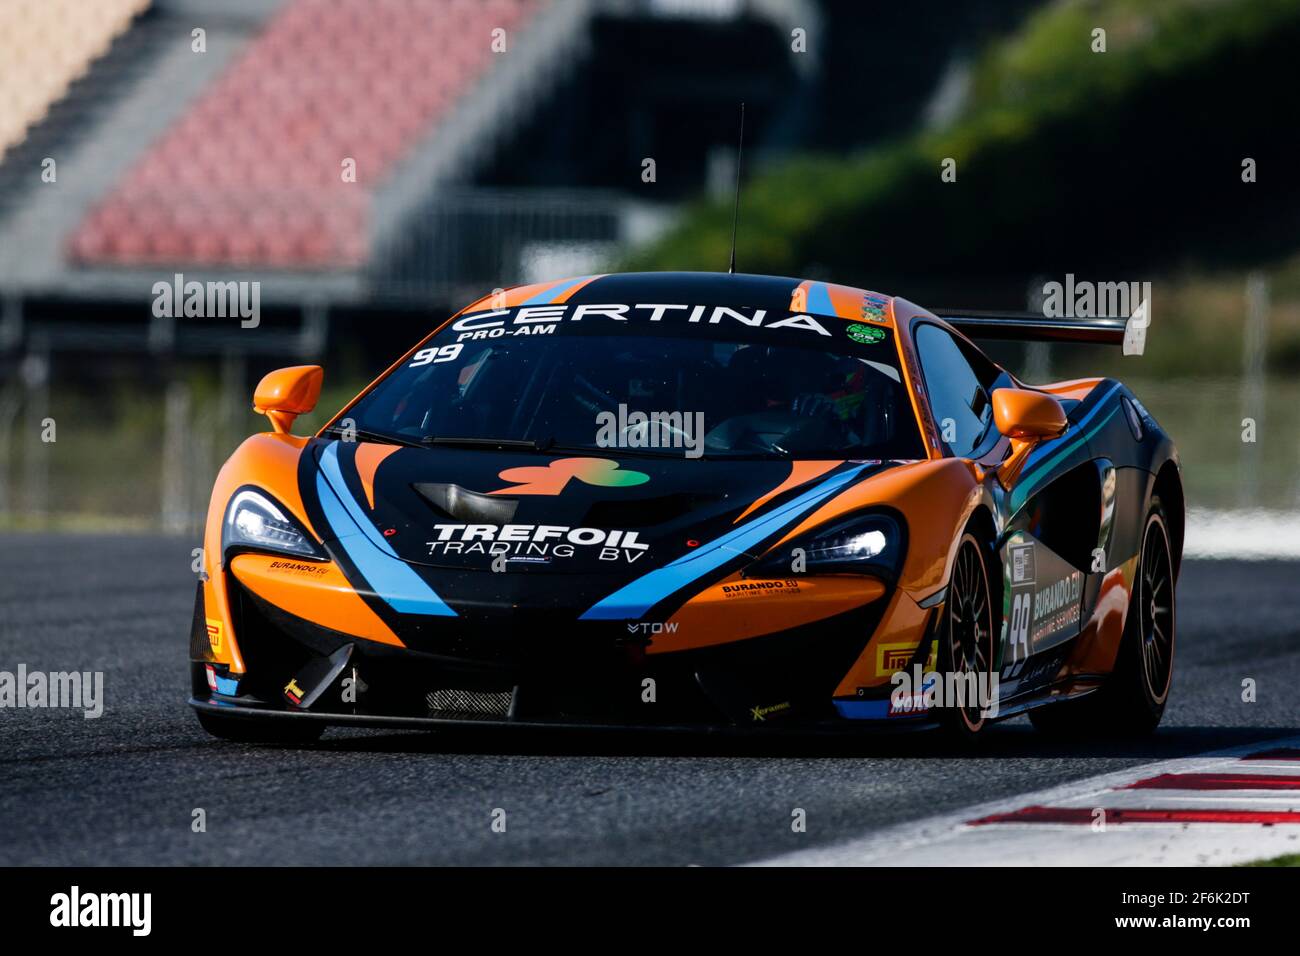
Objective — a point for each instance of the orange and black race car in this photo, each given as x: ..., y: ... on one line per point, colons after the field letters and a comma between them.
x: 690, y: 500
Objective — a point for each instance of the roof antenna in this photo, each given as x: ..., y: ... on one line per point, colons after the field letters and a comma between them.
x: 735, y: 213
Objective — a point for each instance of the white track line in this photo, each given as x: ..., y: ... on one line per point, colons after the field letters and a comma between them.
x: 950, y: 840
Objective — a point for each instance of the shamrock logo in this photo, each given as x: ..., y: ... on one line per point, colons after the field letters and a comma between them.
x: 553, y: 478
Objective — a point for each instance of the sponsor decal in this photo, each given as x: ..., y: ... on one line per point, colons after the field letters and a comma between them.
x: 1056, y: 606
x: 214, y: 633
x: 448, y: 353
x: 906, y: 705
x: 1022, y: 564
x: 909, y: 698
x: 873, y: 306
x: 1042, y: 605
x: 1037, y: 673
x: 893, y: 657
x: 293, y: 692
x: 762, y: 713
x: 1017, y: 623
x: 553, y: 478
x: 435, y: 355
x: 865, y: 334
x: 518, y: 541
x: 501, y: 322
x: 299, y: 567
x: 652, y: 627
x: 754, y: 588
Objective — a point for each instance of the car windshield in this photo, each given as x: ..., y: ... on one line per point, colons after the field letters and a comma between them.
x: 799, y: 387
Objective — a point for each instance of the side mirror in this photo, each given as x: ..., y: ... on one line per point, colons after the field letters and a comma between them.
x: 1027, y: 416
x: 286, y: 393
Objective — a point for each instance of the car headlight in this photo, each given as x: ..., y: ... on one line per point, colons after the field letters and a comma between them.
x: 870, y: 543
x: 255, y: 522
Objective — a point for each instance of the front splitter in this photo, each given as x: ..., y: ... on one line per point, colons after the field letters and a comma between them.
x: 765, y: 729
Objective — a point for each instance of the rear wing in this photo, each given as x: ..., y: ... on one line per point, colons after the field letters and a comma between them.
x: 1035, y: 327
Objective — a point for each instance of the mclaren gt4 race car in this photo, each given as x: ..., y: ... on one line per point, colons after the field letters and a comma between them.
x: 695, y: 501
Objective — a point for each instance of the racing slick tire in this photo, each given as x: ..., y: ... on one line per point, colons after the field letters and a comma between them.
x: 1132, y: 701
x: 967, y: 638
x: 246, y: 730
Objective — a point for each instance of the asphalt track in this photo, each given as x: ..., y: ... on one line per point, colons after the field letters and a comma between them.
x: 122, y: 789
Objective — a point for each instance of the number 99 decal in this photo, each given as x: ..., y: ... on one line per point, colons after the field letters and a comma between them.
x: 434, y: 355
x: 1021, y: 607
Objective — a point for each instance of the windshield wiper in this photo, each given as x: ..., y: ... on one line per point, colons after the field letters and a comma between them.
x: 522, y: 444
x: 360, y: 434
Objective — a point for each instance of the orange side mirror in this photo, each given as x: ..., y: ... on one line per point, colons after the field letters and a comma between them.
x: 1027, y: 416
x: 286, y: 393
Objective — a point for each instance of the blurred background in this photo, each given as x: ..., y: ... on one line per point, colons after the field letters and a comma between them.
x: 376, y: 164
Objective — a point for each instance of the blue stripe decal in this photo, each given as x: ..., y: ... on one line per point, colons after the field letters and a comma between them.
x: 1019, y: 496
x: 875, y: 710
x: 388, y: 576
x: 1048, y: 449
x: 634, y: 599
x: 543, y: 298
x: 819, y: 299
x: 854, y: 709
x: 862, y: 709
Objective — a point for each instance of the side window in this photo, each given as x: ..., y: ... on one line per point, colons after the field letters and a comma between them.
x: 959, y: 395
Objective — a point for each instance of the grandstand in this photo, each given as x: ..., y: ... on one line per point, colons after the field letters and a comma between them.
x: 286, y: 118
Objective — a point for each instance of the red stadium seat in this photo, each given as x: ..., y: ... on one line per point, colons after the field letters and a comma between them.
x: 251, y: 175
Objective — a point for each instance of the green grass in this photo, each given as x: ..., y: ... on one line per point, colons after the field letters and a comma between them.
x: 1289, y: 859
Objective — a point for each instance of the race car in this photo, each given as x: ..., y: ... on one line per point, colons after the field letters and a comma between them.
x: 695, y: 501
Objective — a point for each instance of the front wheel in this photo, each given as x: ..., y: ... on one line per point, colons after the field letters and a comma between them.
x: 966, y: 644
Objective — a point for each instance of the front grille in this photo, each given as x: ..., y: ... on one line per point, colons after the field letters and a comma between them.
x: 517, y: 641
x: 271, y: 657
x: 472, y: 703
x: 200, y: 646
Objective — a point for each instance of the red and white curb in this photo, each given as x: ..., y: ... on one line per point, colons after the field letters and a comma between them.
x: 1215, y: 809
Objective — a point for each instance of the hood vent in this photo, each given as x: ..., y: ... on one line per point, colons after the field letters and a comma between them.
x: 467, y: 506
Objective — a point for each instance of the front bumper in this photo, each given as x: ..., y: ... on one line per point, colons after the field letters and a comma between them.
x: 532, y: 670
